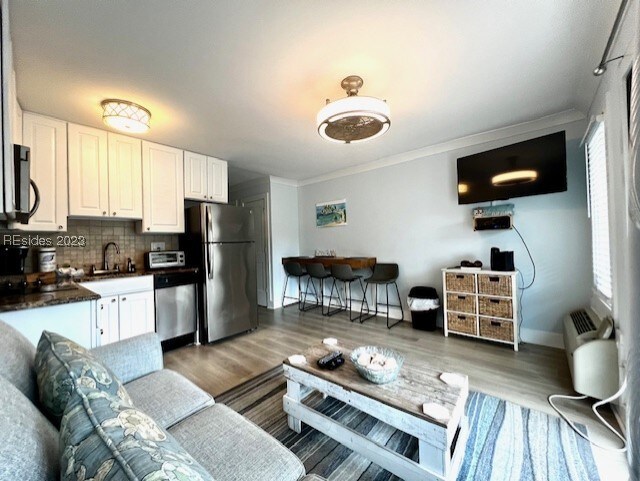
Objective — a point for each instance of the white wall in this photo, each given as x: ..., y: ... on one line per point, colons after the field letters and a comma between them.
x: 284, y: 234
x: 408, y: 213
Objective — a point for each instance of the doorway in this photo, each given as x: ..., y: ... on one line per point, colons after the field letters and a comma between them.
x: 259, y: 204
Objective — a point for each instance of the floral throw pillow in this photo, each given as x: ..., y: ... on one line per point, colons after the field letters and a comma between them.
x: 103, y: 438
x: 61, y: 365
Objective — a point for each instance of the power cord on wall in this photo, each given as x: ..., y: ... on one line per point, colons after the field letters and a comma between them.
x: 524, y: 288
x: 530, y: 257
x: 594, y: 408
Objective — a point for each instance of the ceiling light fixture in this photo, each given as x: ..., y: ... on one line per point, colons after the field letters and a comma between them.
x: 514, y: 178
x: 125, y: 116
x: 353, y: 119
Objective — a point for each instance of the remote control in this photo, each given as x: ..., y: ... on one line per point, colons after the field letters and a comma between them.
x: 331, y: 361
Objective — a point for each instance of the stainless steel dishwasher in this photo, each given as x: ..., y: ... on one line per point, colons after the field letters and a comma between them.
x: 176, y: 304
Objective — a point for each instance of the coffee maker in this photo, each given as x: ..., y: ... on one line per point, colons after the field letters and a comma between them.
x: 501, y: 260
x: 12, y: 260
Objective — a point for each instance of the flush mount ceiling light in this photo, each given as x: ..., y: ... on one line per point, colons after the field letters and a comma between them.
x: 353, y: 119
x: 125, y: 116
x: 514, y: 178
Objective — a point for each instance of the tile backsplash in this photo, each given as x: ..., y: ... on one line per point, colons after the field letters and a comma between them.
x: 97, y: 234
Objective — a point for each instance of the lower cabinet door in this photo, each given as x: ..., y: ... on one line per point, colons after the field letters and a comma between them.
x: 137, y: 314
x: 108, y: 320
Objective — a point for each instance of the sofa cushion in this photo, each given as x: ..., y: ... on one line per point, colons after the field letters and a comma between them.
x: 104, y: 438
x: 62, y: 364
x: 17, y: 356
x: 167, y: 397
x: 132, y: 358
x: 29, y: 447
x: 231, y: 447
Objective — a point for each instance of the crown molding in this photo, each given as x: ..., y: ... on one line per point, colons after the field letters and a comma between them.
x: 284, y: 181
x: 549, y: 121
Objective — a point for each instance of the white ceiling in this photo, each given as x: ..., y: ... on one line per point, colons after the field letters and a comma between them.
x: 243, y: 80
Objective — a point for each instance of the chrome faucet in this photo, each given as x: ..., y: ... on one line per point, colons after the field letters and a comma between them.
x: 106, y: 248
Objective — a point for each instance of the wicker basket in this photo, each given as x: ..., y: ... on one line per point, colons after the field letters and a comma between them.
x: 461, y: 303
x: 494, y: 285
x: 494, y: 329
x: 461, y: 323
x: 460, y: 282
x: 495, y: 307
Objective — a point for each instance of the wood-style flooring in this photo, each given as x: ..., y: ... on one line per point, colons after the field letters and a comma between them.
x: 526, y: 377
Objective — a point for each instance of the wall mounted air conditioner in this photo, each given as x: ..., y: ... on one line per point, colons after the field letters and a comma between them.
x: 592, y: 353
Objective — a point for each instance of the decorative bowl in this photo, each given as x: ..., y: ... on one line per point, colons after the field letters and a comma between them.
x: 379, y: 376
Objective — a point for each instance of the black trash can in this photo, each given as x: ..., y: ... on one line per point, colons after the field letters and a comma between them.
x: 424, y: 304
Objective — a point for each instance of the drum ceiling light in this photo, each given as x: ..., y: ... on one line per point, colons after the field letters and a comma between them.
x: 125, y: 116
x: 353, y: 119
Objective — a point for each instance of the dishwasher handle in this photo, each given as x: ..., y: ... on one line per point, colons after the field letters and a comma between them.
x: 164, y: 281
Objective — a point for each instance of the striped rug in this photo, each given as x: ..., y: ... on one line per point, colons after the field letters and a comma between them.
x: 506, y: 442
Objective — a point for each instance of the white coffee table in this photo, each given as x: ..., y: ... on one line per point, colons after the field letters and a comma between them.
x: 441, y: 444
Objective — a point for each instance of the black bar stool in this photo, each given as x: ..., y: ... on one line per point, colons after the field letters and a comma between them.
x: 344, y: 274
x: 317, y: 272
x: 293, y: 269
x: 383, y: 274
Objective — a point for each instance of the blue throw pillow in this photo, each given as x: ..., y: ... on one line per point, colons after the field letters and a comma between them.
x: 61, y: 365
x: 104, y: 438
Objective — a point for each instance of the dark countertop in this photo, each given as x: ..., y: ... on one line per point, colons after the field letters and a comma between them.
x: 149, y: 272
x: 19, y: 302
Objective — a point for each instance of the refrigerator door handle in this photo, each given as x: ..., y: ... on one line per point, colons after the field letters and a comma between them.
x: 210, y: 260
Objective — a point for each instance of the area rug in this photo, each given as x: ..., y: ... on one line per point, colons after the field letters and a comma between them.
x: 506, y: 442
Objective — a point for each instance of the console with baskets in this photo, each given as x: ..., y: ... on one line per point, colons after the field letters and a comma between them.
x: 481, y: 304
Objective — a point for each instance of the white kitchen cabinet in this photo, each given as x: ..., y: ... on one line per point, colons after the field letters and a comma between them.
x: 105, y: 174
x: 217, y: 180
x: 47, y: 139
x: 125, y: 177
x: 137, y: 314
x: 126, y: 308
x: 108, y: 320
x: 74, y: 321
x: 16, y: 111
x: 88, y: 172
x: 162, y: 189
x: 195, y: 176
x: 205, y: 178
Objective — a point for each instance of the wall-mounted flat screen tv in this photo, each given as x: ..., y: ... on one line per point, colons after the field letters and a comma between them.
x: 533, y: 167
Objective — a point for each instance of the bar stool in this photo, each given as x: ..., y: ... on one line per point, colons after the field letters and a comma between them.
x: 344, y: 274
x: 293, y: 269
x: 383, y: 274
x: 318, y: 272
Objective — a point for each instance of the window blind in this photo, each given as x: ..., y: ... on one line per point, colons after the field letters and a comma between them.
x: 599, y: 211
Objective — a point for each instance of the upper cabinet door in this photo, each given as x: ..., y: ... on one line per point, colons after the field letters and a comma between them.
x: 162, y: 189
x: 217, y: 180
x: 195, y: 176
x: 125, y: 177
x: 47, y: 138
x: 88, y: 172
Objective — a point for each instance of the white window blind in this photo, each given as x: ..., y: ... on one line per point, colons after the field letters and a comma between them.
x: 599, y: 211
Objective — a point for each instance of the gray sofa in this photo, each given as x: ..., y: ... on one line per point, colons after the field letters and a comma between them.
x: 226, y: 444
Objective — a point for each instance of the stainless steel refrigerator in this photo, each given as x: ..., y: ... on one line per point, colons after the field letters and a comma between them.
x: 219, y: 239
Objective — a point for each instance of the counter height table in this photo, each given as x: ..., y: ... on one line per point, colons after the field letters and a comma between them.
x: 354, y: 262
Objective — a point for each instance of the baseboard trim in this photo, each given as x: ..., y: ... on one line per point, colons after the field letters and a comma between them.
x: 542, y: 338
